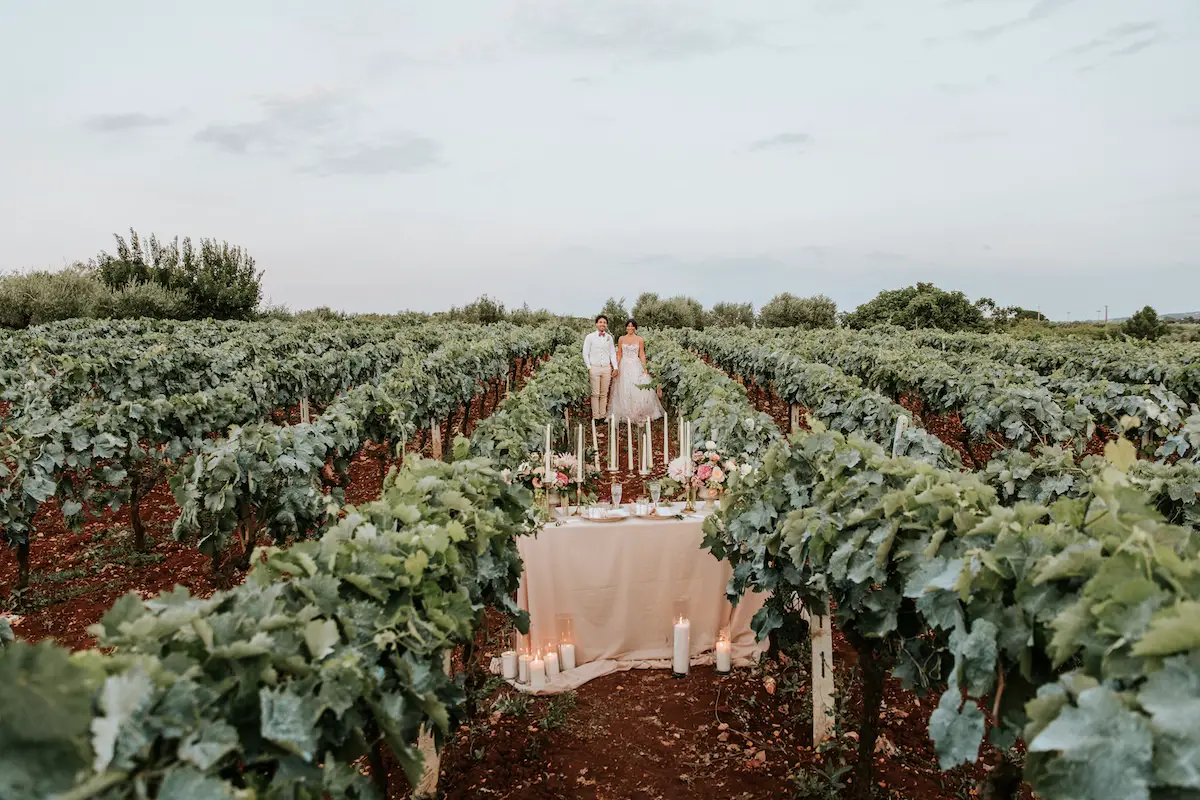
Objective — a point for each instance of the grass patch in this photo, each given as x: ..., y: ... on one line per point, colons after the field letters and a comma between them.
x: 60, y: 576
x: 27, y: 604
x: 558, y: 709
x: 512, y: 704
x: 122, y: 552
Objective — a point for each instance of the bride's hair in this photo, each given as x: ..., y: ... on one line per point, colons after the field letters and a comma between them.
x: 629, y: 322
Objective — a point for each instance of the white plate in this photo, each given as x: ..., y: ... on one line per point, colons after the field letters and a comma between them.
x: 609, y: 516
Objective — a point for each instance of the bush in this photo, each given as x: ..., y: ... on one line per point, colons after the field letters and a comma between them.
x: 920, y: 306
x: 42, y: 296
x: 673, y: 312
x: 616, y: 312
x: 730, y: 315
x: 217, y: 281
x: 1145, y: 324
x: 788, y: 311
x: 136, y: 300
x: 483, y: 311
x: 527, y: 316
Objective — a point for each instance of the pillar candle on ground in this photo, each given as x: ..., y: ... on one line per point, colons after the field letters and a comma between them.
x: 681, y: 657
x: 724, y: 654
x: 508, y: 661
x: 551, y: 665
x: 537, y: 673
x: 568, y: 655
x: 523, y: 668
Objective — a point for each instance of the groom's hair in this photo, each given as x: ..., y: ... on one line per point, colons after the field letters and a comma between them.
x: 601, y: 317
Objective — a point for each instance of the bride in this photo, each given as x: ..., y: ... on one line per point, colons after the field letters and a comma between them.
x: 633, y: 397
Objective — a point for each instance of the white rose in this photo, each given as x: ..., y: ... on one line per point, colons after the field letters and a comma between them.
x: 710, y: 445
x: 746, y: 469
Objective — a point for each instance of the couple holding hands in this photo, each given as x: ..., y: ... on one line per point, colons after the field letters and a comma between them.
x: 624, y: 377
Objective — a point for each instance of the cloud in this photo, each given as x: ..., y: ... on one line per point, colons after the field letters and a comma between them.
x: 1038, y: 11
x: 130, y: 121
x: 782, y: 141
x: 1136, y: 47
x: 287, y: 122
x: 1127, y: 39
x: 654, y: 30
x: 968, y: 87
x: 399, y: 153
x: 319, y: 131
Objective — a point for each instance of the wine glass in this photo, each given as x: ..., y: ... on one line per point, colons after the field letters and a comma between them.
x: 616, y: 495
x: 655, y: 494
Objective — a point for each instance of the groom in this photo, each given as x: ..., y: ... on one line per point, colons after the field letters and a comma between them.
x: 600, y: 357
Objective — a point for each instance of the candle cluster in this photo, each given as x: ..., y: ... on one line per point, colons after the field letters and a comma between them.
x: 539, y: 666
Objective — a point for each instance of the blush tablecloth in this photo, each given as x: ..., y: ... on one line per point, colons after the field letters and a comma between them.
x: 620, y: 583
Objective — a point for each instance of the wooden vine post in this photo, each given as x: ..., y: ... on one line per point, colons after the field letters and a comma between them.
x: 820, y: 629
x: 305, y: 415
x: 435, y: 438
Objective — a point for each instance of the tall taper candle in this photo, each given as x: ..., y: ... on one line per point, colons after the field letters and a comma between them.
x: 612, y: 444
x: 595, y: 447
x: 579, y: 458
x: 687, y: 448
x: 629, y: 443
x: 666, y: 444
x: 546, y: 474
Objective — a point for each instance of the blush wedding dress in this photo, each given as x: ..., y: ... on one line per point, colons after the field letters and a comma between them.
x: 629, y: 399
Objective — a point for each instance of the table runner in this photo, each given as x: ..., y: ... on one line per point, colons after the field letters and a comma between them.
x: 620, y: 584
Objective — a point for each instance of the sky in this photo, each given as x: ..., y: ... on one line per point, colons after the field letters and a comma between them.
x: 376, y: 157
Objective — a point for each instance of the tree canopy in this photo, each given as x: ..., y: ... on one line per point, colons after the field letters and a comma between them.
x: 921, y: 306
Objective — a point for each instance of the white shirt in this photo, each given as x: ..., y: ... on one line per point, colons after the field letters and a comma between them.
x: 598, y: 348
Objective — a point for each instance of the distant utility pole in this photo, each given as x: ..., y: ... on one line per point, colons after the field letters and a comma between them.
x: 1105, y: 314
x: 1097, y: 315
x: 1068, y: 316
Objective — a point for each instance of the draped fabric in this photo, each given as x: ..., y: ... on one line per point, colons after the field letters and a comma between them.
x: 621, y: 584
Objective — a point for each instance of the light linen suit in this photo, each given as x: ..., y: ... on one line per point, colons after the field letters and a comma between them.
x: 600, y: 357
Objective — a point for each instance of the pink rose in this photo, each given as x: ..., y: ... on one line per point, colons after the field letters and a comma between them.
x: 704, y: 472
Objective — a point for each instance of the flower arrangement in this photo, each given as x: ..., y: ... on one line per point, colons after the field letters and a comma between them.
x: 564, y: 471
x: 709, y: 468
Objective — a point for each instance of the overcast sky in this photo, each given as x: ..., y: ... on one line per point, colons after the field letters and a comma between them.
x: 376, y: 156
